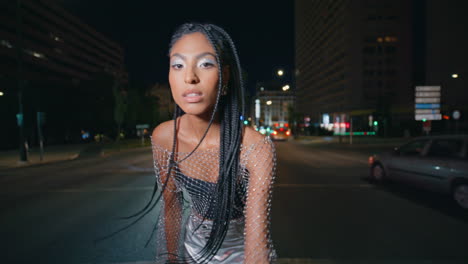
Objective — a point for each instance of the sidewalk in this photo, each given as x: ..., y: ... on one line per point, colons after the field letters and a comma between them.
x: 357, y: 140
x: 56, y: 153
x: 10, y: 158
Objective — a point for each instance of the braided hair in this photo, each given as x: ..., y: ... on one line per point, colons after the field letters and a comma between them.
x: 229, y: 106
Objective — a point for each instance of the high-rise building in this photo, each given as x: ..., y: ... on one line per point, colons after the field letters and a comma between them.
x: 446, y: 60
x: 354, y: 60
x: 53, y: 63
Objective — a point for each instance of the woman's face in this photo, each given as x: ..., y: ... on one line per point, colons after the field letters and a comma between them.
x: 193, y: 74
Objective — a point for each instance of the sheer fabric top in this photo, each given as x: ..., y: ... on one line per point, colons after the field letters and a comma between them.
x: 187, y: 199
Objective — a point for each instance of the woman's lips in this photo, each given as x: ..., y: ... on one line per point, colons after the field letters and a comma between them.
x: 192, y: 97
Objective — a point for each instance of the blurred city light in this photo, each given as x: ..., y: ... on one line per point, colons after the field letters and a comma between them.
x: 269, y: 102
x: 1, y: 93
x: 280, y: 72
x: 286, y: 87
x: 454, y: 75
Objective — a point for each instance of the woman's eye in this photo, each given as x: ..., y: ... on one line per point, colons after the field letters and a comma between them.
x: 207, y: 64
x: 177, y: 66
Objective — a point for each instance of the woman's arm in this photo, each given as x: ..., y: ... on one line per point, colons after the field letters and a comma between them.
x: 172, y: 219
x: 171, y: 206
x: 261, y: 165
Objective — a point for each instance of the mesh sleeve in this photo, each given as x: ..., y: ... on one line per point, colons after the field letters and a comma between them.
x: 261, y: 164
x: 169, y: 221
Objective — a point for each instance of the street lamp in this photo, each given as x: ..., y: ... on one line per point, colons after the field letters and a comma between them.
x: 455, y: 75
x: 1, y: 93
x: 286, y: 87
x: 269, y: 102
x: 280, y: 73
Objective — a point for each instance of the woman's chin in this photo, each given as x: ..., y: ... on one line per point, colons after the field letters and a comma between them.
x: 197, y: 111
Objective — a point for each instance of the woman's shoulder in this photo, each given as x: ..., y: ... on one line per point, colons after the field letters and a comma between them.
x: 253, y: 138
x: 163, y: 134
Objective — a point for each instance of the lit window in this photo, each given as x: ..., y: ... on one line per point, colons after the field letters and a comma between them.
x: 35, y: 54
x: 55, y: 37
x: 6, y: 43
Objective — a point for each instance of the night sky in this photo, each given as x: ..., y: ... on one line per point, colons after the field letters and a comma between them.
x: 263, y: 32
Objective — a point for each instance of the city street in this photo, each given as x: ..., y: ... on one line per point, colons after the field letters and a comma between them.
x: 324, y: 211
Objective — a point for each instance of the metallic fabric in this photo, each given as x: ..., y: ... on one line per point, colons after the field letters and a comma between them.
x: 232, y: 249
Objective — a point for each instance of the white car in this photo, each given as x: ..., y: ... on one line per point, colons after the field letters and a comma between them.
x: 436, y: 163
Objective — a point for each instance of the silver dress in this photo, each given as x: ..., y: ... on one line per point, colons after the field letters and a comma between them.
x: 181, y: 231
x: 232, y: 250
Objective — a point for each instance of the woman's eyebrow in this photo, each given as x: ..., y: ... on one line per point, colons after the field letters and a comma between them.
x: 201, y: 55
x: 178, y: 55
x: 205, y: 54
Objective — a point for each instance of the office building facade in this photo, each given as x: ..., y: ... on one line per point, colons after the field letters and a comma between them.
x: 52, y: 63
x: 354, y: 62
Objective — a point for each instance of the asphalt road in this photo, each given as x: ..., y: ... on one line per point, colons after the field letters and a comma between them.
x: 324, y: 211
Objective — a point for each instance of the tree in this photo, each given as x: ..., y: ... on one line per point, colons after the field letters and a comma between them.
x: 120, y: 105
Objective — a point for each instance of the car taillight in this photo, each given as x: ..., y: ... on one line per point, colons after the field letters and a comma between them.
x: 288, y: 133
x: 371, y: 160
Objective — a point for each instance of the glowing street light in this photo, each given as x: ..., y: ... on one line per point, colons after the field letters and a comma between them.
x: 269, y: 102
x: 454, y: 75
x: 1, y: 93
x: 280, y: 73
x: 286, y: 87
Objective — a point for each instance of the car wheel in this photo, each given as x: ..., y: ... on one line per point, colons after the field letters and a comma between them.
x: 377, y: 172
x: 460, y: 195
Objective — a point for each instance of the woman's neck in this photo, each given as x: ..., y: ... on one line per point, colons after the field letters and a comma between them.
x: 196, y: 127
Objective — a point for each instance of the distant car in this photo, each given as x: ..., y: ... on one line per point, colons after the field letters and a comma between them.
x: 280, y: 134
x: 436, y: 163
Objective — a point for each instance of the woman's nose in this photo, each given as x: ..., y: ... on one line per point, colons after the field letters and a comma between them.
x: 191, y: 76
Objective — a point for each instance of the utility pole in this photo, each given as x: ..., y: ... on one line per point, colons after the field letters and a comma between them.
x: 20, y: 116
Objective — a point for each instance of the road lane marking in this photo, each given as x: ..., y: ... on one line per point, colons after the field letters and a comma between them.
x: 287, y: 185
x: 126, y: 189
x: 280, y: 261
x: 150, y: 188
x: 389, y: 260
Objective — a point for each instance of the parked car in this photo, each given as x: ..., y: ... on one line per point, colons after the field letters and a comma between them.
x: 436, y: 163
x: 280, y: 134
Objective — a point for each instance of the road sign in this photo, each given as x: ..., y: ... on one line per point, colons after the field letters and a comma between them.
x: 427, y: 106
x: 427, y: 103
x: 427, y: 111
x: 427, y: 88
x: 142, y: 126
x: 19, y: 119
x: 428, y: 117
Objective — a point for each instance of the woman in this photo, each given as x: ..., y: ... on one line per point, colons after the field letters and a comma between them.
x: 214, y: 175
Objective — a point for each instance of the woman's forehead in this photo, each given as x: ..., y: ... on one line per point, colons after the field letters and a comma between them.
x: 193, y: 43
